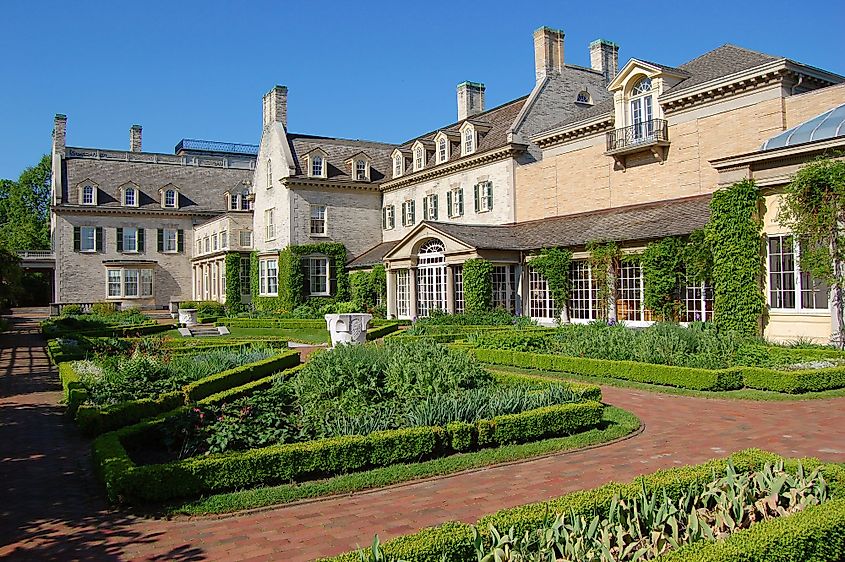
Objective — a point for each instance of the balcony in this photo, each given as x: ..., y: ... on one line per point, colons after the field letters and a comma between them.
x: 646, y: 136
x: 37, y: 259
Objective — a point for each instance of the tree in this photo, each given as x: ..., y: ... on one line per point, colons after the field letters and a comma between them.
x: 813, y: 209
x: 25, y: 209
x: 10, y: 278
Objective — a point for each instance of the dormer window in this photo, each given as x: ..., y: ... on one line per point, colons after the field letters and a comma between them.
x: 233, y: 201
x: 584, y: 98
x: 468, y: 139
x: 398, y: 163
x: 317, y: 166
x: 245, y: 202
x: 641, y: 116
x: 419, y: 158
x: 360, y: 170
x: 359, y: 167
x: 442, y: 150
x: 89, y: 195
x: 130, y: 197
x: 170, y: 199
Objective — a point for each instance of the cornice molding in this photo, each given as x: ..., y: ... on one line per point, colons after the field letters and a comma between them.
x: 95, y: 210
x: 575, y: 131
x: 293, y: 182
x: 777, y: 154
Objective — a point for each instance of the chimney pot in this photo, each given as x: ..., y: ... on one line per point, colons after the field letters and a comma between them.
x: 604, y: 57
x: 135, y: 138
x: 548, y: 52
x: 275, y: 106
x: 470, y: 99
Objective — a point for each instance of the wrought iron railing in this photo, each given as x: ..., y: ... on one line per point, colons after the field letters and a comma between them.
x: 644, y: 132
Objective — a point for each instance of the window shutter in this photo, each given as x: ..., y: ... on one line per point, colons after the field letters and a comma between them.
x: 461, y: 202
x: 77, y: 239
x: 425, y: 208
x: 180, y: 241
x: 477, y: 199
x: 449, y: 204
x: 384, y: 218
x: 119, y: 239
x: 160, y: 238
x: 392, y: 216
x: 434, y: 204
x: 141, y: 239
x: 98, y: 238
x: 413, y: 212
x: 332, y: 273
x: 489, y: 189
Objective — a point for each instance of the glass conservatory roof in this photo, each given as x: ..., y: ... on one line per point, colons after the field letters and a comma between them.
x: 828, y: 125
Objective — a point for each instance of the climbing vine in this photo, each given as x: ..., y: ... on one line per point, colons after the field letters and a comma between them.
x: 368, y: 288
x: 553, y: 265
x: 604, y: 264
x: 233, y: 282
x: 478, y: 285
x: 698, y: 258
x: 734, y: 234
x: 663, y: 275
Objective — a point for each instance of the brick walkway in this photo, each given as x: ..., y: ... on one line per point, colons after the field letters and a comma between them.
x: 51, y: 507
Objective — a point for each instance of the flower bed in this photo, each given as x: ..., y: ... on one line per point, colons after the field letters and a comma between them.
x: 754, y: 506
x: 105, y: 322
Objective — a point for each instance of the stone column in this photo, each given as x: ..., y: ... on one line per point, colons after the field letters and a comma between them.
x: 450, y: 289
x: 391, y: 294
x: 412, y: 291
x: 520, y: 304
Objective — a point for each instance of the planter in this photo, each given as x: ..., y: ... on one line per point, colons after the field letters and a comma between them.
x: 348, y: 328
x: 188, y: 317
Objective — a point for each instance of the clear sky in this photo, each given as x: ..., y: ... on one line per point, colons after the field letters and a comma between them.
x: 373, y: 70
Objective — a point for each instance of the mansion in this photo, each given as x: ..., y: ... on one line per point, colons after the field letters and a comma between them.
x: 630, y: 155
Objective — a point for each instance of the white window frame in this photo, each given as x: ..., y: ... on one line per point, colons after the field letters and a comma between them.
x: 389, y: 213
x: 207, y: 244
x: 126, y: 193
x: 224, y: 239
x: 170, y: 240
x: 130, y: 234
x: 456, y: 197
x: 798, y: 279
x: 503, y: 287
x: 89, y: 195
x: 134, y: 283
x: 442, y: 149
x: 468, y: 140
x: 583, y: 306
x: 403, y: 293
x: 214, y: 244
x: 398, y: 165
x: 419, y: 157
x: 631, y: 291
x: 269, y: 171
x: 485, y: 196
x: 431, y: 212
x: 166, y: 202
x: 409, y: 213
x: 314, y: 162
x: 246, y: 238
x: 361, y: 169
x: 541, y: 304
x: 319, y: 224
x: 318, y: 268
x: 269, y: 224
x: 268, y: 277
x: 92, y: 237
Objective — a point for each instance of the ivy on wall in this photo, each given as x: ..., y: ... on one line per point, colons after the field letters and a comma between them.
x: 734, y: 232
x: 553, y: 265
x: 368, y: 288
x: 698, y: 258
x: 478, y: 285
x: 664, y: 273
x: 233, y: 282
x: 604, y: 265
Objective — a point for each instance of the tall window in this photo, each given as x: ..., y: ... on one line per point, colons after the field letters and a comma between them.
x: 442, y: 150
x: 789, y: 287
x: 318, y: 220
x: 224, y: 239
x: 431, y: 278
x: 642, y: 111
x: 114, y: 282
x: 419, y: 161
x: 233, y: 202
x: 214, y: 280
x: 582, y: 297
x: 483, y: 196
x: 455, y: 202
x: 403, y: 293
x: 88, y: 195
x: 469, y: 141
x: 87, y: 239
x: 170, y: 240
x: 214, y: 242
x: 630, y: 304
x: 397, y: 166
x: 503, y: 281
x: 388, y: 219
x: 129, y: 239
x: 317, y: 166
x: 130, y: 197
x: 245, y: 202
x: 268, y: 276
x: 460, y: 301
x: 430, y: 207
x: 541, y: 305
x: 207, y: 243
x: 170, y: 199
x: 246, y: 238
x: 408, y: 213
x: 269, y: 224
x: 698, y: 302
x: 269, y: 173
x: 318, y: 276
x: 361, y: 170
x: 245, y: 277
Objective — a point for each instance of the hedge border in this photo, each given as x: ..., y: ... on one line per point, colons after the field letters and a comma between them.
x: 454, y: 539
x: 94, y: 421
x: 125, y: 481
x: 381, y: 331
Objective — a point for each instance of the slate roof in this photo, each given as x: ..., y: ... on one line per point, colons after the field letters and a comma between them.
x: 373, y: 256
x: 338, y: 151
x: 675, y: 217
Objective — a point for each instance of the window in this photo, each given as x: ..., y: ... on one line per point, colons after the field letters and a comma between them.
x: 698, y: 303
x: 541, y: 305
x: 207, y: 243
x: 408, y: 218
x: 430, y: 207
x: 246, y: 265
x: 169, y: 240
x: 233, y: 202
x: 469, y: 140
x: 88, y: 195
x: 318, y: 220
x: 403, y: 293
x: 397, y: 165
x: 130, y: 197
x: 269, y: 173
x: 484, y: 197
x: 388, y: 218
x: 460, y: 303
x: 361, y: 173
x: 317, y: 166
x: 246, y: 238
x: 129, y: 283
x: 170, y: 199
x: 224, y: 239
x: 455, y: 202
x: 583, y: 97
x: 629, y: 306
x: 128, y: 240
x: 789, y: 287
x: 214, y: 241
x: 642, y: 110
x: 269, y: 225
x: 582, y: 296
x: 442, y: 150
x: 503, y: 283
x: 318, y: 276
x: 246, y: 204
x: 268, y: 276
x: 431, y: 278
x: 214, y: 277
x: 419, y: 158
x: 87, y: 239
x: 199, y: 247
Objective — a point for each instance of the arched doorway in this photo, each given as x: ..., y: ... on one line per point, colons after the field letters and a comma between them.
x: 431, y: 277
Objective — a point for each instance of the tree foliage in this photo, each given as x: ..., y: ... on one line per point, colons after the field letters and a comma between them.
x: 11, y: 285
x: 233, y: 282
x: 478, y: 285
x: 368, y: 288
x: 813, y: 209
x: 553, y: 265
x: 734, y: 232
x: 25, y: 209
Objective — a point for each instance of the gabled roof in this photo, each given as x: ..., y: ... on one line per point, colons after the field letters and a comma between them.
x: 828, y: 125
x: 373, y: 256
x: 339, y: 152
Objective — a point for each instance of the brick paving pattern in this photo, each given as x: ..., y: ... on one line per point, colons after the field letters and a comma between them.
x: 52, y: 508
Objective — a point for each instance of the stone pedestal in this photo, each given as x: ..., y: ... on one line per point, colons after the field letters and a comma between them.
x: 188, y: 317
x: 348, y: 328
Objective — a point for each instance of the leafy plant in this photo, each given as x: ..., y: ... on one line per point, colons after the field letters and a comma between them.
x: 663, y: 275
x: 604, y: 267
x: 553, y: 265
x: 478, y: 285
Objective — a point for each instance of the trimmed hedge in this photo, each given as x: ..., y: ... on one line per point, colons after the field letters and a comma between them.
x: 93, y: 420
x: 381, y: 331
x: 292, y: 324
x: 585, y: 391
x: 452, y: 542
x: 682, y: 377
x: 74, y: 393
x: 109, y: 332
x: 793, y: 382
x: 318, y: 458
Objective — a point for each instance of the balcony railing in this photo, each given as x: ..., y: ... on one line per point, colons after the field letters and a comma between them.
x: 638, y: 135
x: 36, y: 254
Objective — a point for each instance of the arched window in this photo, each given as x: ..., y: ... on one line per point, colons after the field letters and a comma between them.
x: 641, y: 110
x: 170, y: 199
x: 317, y: 166
x: 442, y: 150
x: 88, y: 195
x: 269, y: 173
x: 418, y: 158
x: 583, y: 97
x: 431, y: 277
x: 397, y: 166
x: 643, y: 86
x: 130, y: 197
x: 469, y: 141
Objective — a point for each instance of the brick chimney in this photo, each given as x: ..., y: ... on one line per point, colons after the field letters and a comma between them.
x: 470, y: 99
x: 604, y: 57
x: 276, y: 107
x: 135, y: 138
x: 59, y: 133
x: 548, y: 52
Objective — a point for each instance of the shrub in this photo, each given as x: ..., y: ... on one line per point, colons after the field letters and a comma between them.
x: 71, y: 309
x: 478, y: 285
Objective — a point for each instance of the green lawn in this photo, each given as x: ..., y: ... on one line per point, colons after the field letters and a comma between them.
x: 301, y: 335
x: 617, y: 424
x: 743, y: 394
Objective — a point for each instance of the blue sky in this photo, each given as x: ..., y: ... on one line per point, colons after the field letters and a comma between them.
x: 374, y: 70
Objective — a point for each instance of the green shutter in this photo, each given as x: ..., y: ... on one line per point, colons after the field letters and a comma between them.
x: 180, y: 241
x: 434, y: 211
x: 384, y: 218
x: 413, y: 212
x: 77, y: 239
x: 119, y: 239
x: 461, y: 202
x: 392, y: 216
x: 98, y: 238
x: 140, y: 239
x: 160, y: 239
x: 449, y: 204
x: 425, y: 208
x: 477, y: 199
x: 489, y: 188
